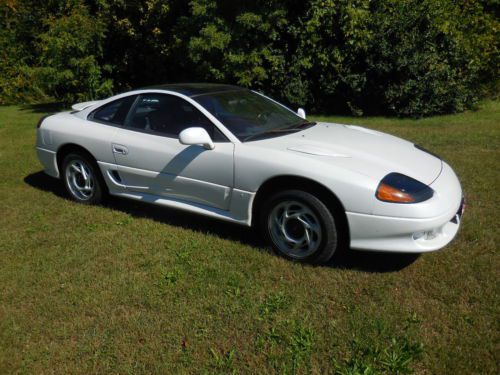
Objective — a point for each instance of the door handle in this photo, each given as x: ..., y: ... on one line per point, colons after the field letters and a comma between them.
x: 119, y: 149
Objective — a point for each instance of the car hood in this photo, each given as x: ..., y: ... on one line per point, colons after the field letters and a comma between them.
x: 365, y: 151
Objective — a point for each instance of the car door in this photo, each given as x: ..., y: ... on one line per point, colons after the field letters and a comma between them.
x: 151, y: 160
x: 103, y: 123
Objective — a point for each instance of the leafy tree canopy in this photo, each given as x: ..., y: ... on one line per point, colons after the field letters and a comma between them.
x: 400, y: 57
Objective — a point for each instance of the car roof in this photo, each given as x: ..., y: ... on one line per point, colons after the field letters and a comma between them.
x: 194, y: 89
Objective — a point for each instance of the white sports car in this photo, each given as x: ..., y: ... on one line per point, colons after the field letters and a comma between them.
x: 237, y: 155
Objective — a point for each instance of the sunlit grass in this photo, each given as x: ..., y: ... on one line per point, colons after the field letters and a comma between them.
x: 131, y: 288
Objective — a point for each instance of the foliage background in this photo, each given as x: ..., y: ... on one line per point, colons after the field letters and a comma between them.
x: 397, y: 57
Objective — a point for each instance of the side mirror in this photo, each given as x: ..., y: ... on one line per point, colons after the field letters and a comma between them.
x: 301, y: 113
x: 196, y: 136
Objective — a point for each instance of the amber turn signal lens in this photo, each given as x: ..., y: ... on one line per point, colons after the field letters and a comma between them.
x: 389, y: 194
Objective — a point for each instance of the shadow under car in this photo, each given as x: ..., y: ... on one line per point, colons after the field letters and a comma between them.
x: 366, y: 261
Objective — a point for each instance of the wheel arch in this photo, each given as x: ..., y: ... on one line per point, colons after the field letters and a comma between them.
x: 65, y: 149
x: 291, y: 182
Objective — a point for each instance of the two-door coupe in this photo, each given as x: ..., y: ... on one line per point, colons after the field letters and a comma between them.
x: 237, y: 155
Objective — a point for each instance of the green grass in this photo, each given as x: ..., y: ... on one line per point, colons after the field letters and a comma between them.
x: 134, y: 289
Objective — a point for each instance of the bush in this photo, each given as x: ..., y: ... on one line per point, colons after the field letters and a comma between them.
x: 427, y: 61
x: 59, y: 55
x: 67, y: 55
x: 400, y: 57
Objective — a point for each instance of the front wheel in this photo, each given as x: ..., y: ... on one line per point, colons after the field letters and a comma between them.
x: 82, y: 179
x: 299, y: 226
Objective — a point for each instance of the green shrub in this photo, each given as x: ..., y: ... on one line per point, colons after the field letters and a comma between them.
x: 427, y: 61
x: 400, y: 57
x: 58, y: 59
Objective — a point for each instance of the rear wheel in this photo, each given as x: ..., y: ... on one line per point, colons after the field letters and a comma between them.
x: 82, y: 179
x: 299, y: 226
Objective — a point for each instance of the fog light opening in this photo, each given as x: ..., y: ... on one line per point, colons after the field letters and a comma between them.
x: 426, y: 235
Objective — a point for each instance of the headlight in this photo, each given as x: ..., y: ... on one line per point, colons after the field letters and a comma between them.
x: 398, y: 188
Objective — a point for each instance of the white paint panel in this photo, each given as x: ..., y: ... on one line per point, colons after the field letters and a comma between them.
x: 163, y: 166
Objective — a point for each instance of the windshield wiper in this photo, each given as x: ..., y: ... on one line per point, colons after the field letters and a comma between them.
x: 303, y: 125
x: 294, y: 128
x: 266, y: 132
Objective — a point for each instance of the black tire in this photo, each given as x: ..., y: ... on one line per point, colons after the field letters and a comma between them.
x: 278, y: 231
x: 97, y: 190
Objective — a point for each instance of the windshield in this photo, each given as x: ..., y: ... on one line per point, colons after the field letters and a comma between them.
x: 250, y: 116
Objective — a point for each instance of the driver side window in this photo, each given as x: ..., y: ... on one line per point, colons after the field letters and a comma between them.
x: 168, y: 115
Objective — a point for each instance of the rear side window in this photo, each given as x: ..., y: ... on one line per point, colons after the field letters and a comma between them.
x: 114, y: 112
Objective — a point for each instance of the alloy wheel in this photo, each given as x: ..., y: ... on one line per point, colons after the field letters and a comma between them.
x: 294, y: 229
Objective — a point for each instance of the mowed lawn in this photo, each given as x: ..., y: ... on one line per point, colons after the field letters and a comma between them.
x: 127, y: 288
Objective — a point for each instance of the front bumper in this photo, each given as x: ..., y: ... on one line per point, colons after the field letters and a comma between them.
x: 413, y: 235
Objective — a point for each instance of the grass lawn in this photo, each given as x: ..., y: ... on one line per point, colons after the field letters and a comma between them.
x: 131, y: 288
